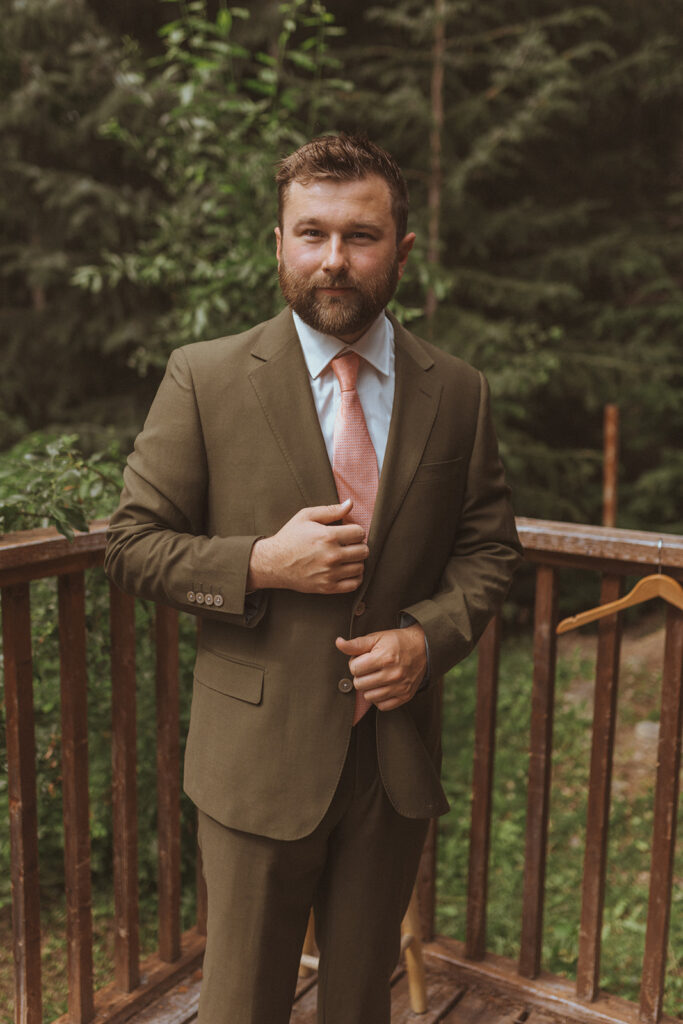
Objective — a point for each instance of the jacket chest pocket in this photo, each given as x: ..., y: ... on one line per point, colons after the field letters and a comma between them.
x: 435, y: 472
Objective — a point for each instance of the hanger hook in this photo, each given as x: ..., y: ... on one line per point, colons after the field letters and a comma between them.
x: 660, y: 545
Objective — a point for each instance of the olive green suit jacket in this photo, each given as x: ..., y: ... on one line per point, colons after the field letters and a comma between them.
x: 231, y: 449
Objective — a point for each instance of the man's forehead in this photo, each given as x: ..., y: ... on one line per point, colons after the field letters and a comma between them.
x: 320, y: 195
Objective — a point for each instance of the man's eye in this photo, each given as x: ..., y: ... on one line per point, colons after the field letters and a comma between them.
x: 312, y: 233
x: 364, y: 235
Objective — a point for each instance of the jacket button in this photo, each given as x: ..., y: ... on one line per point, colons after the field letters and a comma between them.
x: 360, y: 608
x: 208, y: 599
x: 217, y: 601
x: 199, y: 597
x: 191, y: 595
x: 345, y: 685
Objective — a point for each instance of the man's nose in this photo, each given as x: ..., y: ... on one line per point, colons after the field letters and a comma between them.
x: 334, y: 257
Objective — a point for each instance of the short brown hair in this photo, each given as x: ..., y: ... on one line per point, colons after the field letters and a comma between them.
x: 344, y: 158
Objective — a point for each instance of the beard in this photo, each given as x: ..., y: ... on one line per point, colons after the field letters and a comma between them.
x: 338, y: 315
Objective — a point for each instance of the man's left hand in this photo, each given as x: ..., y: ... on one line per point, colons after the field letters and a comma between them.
x: 388, y: 666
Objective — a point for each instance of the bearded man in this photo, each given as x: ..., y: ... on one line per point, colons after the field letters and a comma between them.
x: 325, y: 491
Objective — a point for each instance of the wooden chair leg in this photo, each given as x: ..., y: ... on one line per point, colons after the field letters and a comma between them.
x: 309, y: 960
x: 411, y: 945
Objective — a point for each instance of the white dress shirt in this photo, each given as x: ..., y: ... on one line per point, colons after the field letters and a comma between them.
x: 375, y: 384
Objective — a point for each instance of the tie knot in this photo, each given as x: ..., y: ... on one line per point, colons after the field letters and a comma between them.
x: 345, y: 369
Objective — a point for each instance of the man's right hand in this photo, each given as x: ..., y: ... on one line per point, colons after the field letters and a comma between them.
x: 310, y: 554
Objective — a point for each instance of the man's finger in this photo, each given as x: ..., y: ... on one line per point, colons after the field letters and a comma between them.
x: 348, y: 570
x: 351, y: 553
x: 326, y: 514
x: 367, y: 663
x: 372, y: 684
x: 345, y: 585
x: 347, y: 533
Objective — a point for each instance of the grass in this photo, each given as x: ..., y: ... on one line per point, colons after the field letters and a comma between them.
x: 631, y: 825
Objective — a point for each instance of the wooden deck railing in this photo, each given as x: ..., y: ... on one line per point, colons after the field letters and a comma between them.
x: 43, y: 553
x: 550, y: 546
x: 613, y: 553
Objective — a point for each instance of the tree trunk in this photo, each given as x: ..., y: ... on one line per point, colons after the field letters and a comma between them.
x: 434, y: 195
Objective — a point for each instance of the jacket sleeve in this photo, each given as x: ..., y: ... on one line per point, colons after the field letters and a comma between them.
x: 157, y: 545
x: 485, y: 553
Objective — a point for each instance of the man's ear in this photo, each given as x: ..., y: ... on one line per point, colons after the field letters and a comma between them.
x: 404, y: 247
x: 278, y: 245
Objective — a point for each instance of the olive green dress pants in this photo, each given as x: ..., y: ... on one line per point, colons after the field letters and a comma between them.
x: 356, y: 870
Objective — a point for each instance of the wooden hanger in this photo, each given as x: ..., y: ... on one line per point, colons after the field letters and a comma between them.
x: 656, y: 585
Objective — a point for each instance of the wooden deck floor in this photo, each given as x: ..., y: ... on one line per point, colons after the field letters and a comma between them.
x: 457, y: 995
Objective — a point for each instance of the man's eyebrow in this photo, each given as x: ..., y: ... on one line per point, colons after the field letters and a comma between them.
x: 354, y: 225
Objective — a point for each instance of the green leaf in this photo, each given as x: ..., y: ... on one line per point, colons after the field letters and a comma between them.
x: 224, y: 21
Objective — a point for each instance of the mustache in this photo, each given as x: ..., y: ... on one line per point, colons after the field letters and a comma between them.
x: 341, y: 280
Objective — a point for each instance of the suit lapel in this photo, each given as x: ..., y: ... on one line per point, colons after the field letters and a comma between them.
x: 280, y: 380
x: 416, y: 400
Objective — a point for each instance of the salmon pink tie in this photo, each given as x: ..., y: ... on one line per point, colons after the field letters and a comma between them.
x: 354, y: 461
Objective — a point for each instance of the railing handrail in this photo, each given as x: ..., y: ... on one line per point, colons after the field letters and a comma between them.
x: 34, y: 554
x: 604, y: 548
x: 31, y: 554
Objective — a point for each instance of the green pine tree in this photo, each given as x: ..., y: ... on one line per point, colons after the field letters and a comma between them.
x: 66, y: 192
x: 559, y: 227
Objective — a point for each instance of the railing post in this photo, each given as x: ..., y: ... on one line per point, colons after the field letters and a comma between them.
x: 482, y: 788
x: 124, y: 790
x: 597, y: 821
x: 168, y: 781
x: 21, y: 767
x: 71, y: 591
x: 664, y: 829
x: 540, y: 763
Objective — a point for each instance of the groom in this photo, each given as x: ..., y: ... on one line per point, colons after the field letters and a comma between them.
x: 325, y: 491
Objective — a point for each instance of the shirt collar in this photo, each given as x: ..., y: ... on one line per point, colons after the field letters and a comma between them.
x: 319, y: 349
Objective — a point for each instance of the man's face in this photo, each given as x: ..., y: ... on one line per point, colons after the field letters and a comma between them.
x: 338, y: 259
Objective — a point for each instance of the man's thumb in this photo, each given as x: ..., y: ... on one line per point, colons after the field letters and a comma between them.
x: 357, y: 645
x: 331, y: 513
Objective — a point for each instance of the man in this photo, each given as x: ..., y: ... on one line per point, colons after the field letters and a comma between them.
x: 325, y: 490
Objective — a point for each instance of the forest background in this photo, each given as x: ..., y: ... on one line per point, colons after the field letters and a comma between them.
x: 543, y: 147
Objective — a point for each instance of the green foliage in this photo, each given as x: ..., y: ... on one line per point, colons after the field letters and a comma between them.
x: 47, y: 481
x: 138, y: 201
x: 66, y: 192
x: 220, y: 116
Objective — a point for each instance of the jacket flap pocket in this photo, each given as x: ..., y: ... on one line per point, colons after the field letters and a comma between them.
x: 234, y: 678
